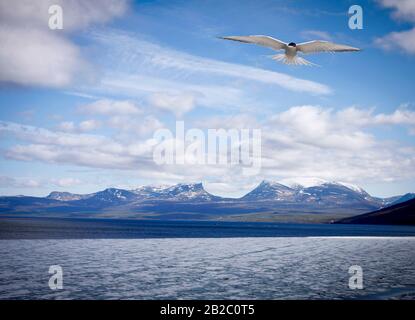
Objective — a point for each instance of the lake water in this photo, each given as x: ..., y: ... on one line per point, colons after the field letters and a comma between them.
x: 52, y: 228
x: 210, y: 261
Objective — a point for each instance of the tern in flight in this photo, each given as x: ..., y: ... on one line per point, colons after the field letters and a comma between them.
x: 291, y: 49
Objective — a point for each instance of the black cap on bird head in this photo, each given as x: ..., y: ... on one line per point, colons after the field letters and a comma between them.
x: 292, y: 44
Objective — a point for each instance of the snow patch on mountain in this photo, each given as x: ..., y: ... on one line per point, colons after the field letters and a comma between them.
x: 308, y: 182
x: 67, y: 196
x: 303, y: 182
x: 352, y: 187
x: 181, y: 191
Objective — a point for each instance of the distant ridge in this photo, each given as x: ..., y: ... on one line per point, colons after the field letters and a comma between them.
x: 319, y: 200
x: 405, y: 197
x: 402, y: 213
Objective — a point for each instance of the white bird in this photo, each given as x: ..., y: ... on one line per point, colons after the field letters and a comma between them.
x: 291, y: 49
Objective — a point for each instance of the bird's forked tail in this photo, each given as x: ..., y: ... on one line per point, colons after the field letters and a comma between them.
x: 296, y: 60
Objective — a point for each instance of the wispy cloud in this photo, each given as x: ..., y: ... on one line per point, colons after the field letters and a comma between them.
x: 30, y: 182
x: 404, y: 40
x: 136, y: 57
x: 110, y: 107
x: 84, y: 126
x: 316, y: 35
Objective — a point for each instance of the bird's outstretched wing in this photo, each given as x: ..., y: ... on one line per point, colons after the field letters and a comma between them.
x: 259, y: 40
x: 323, y: 46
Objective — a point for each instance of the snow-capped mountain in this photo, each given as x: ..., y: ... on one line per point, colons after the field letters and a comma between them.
x: 302, y: 182
x: 335, y: 193
x: 107, y: 198
x: 322, y: 193
x: 352, y: 187
x: 112, y: 195
x: 150, y: 192
x: 307, y: 182
x: 178, y: 192
x: 269, y: 190
x: 67, y: 196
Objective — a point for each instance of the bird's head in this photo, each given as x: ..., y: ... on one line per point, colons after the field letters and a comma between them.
x: 292, y: 44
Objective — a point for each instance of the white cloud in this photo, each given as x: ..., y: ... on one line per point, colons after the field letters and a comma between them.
x: 403, y: 9
x: 8, y: 182
x: 84, y: 126
x: 125, y: 116
x: 33, y: 57
x: 177, y: 104
x: 316, y: 35
x: 316, y: 126
x: 66, y: 182
x: 311, y: 141
x: 404, y: 40
x: 30, y: 183
x: 400, y: 116
x: 237, y: 121
x: 74, y: 148
x: 78, y: 14
x: 206, y: 95
x: 89, y: 125
x: 303, y: 141
x: 32, y: 54
x: 43, y: 136
x: 111, y: 107
x: 67, y: 126
x: 131, y: 125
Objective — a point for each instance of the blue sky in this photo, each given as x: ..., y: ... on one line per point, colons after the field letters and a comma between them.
x: 79, y: 106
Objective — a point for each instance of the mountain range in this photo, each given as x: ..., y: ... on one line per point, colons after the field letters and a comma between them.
x: 269, y: 201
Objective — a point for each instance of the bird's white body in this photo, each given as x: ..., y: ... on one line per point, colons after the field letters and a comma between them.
x: 290, y: 52
x: 290, y: 55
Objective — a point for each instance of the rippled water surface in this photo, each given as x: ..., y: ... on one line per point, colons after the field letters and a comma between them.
x: 209, y: 268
